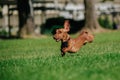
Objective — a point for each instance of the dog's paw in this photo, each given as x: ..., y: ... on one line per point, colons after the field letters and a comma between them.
x: 64, y: 49
x: 62, y: 54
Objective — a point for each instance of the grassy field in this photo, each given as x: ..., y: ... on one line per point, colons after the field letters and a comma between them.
x: 40, y: 59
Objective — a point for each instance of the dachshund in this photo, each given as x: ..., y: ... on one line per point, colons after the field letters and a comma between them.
x: 69, y: 44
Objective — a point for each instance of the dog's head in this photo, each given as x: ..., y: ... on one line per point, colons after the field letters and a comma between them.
x: 62, y: 33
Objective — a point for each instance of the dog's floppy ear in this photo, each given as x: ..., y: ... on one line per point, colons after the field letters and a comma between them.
x: 84, y: 31
x: 67, y: 26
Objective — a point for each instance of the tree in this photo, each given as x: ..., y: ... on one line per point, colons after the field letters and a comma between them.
x: 91, y: 21
x: 26, y: 23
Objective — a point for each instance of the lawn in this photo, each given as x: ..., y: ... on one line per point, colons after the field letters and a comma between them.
x: 40, y: 59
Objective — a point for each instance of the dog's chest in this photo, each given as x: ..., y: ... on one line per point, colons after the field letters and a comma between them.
x: 64, y: 44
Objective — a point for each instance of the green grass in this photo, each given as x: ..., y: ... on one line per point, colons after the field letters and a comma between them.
x: 40, y: 59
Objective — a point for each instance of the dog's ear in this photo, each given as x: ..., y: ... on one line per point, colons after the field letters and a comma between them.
x: 67, y: 26
x: 84, y: 31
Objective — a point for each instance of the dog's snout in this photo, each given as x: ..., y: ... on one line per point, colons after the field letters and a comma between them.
x: 55, y: 37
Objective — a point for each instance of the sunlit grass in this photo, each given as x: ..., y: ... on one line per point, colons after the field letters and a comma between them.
x: 40, y: 59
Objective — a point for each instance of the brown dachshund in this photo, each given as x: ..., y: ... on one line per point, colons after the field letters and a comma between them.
x: 67, y: 43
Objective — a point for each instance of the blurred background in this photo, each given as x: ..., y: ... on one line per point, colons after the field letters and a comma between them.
x: 21, y: 18
x: 28, y: 51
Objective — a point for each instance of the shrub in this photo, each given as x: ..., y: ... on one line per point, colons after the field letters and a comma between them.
x: 105, y: 22
x: 54, y: 23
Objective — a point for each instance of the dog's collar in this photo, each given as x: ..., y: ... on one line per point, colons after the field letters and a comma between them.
x: 67, y: 40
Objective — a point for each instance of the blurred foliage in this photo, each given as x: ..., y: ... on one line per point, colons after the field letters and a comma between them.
x: 52, y: 29
x: 54, y: 23
x: 3, y: 33
x: 105, y: 22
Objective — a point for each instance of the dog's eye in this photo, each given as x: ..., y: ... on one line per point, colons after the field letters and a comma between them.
x: 86, y: 32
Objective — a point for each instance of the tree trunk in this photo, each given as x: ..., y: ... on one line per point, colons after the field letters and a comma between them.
x: 26, y: 23
x: 91, y: 21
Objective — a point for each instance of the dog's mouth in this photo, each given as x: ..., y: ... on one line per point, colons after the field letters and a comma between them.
x: 57, y: 40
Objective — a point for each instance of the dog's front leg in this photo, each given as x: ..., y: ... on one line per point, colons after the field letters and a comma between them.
x: 62, y: 54
x: 66, y: 49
